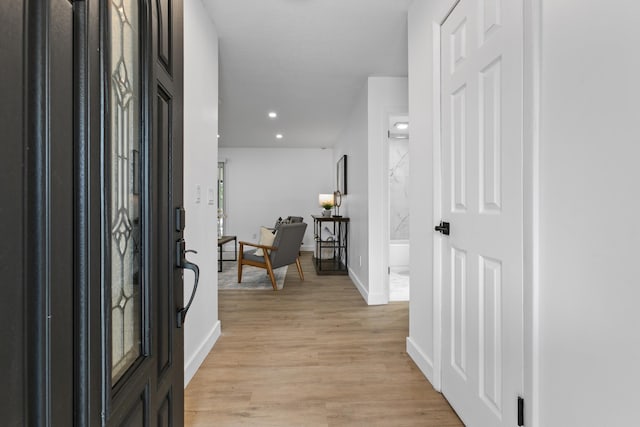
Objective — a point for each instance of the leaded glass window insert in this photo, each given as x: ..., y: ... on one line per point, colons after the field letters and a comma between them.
x: 123, y: 196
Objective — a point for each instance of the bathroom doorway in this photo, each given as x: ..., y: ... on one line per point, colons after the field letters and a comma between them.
x: 399, y: 222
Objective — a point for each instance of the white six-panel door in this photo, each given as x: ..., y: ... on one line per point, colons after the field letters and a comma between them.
x: 481, y: 78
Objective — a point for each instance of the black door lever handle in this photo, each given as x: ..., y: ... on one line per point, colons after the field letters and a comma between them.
x: 443, y: 228
x: 181, y: 262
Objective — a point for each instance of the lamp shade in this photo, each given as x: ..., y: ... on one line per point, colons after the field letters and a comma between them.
x: 325, y: 199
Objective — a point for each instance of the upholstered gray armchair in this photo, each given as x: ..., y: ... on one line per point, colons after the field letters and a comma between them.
x: 284, y: 251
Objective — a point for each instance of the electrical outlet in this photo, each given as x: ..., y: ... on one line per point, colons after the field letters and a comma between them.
x: 255, y: 236
x: 198, y: 192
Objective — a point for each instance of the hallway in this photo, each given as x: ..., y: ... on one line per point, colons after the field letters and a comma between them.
x: 312, y: 354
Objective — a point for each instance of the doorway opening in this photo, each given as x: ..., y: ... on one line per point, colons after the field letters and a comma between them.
x: 399, y: 229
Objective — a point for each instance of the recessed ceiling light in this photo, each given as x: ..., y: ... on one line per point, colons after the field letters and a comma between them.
x: 279, y: 136
x: 273, y: 114
x: 401, y: 125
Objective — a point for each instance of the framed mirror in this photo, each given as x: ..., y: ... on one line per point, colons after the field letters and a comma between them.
x: 341, y: 178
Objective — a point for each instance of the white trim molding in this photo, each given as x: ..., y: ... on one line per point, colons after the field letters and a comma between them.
x: 193, y: 364
x: 359, y: 285
x: 444, y: 9
x: 422, y: 361
x: 437, y: 201
x: 532, y: 54
x: 377, y: 298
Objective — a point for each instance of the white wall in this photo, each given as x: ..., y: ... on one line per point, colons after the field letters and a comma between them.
x: 589, y: 210
x: 364, y: 141
x: 202, y: 327
x: 263, y: 184
x: 354, y: 142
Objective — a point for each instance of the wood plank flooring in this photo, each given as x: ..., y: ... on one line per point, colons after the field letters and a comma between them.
x: 312, y: 354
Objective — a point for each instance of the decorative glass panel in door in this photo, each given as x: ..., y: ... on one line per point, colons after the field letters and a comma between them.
x: 123, y: 194
x: 142, y: 247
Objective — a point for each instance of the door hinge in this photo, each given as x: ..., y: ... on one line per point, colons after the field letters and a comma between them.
x: 520, y: 411
x: 388, y: 270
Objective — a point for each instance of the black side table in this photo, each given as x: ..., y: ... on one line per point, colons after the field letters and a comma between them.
x: 337, y: 245
x: 221, y: 241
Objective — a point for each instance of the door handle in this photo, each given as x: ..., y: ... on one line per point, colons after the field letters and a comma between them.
x: 443, y: 228
x: 182, y: 262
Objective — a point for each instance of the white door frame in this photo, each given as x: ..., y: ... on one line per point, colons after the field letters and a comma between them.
x: 531, y: 178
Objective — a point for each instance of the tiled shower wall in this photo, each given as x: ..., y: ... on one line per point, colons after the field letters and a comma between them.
x: 399, y: 189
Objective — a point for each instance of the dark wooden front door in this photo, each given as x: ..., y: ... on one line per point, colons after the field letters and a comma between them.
x: 141, y: 224
x: 36, y: 213
x: 91, y: 213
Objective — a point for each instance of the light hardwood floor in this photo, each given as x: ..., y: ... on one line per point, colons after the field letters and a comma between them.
x: 312, y: 354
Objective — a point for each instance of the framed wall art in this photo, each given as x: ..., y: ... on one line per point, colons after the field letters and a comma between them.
x: 341, y: 178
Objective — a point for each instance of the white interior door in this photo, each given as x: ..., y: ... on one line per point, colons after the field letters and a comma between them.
x: 482, y: 363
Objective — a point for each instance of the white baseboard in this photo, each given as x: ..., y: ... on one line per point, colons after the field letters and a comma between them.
x: 377, y: 299
x: 359, y: 286
x: 422, y: 361
x: 370, y: 299
x: 192, y: 365
x: 307, y: 248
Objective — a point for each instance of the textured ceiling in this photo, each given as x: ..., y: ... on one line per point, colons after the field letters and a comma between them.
x: 305, y: 59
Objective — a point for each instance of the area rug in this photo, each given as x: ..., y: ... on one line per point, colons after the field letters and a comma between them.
x: 253, y: 278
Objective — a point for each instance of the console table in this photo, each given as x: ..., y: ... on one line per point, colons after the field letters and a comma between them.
x: 221, y: 241
x: 331, y: 235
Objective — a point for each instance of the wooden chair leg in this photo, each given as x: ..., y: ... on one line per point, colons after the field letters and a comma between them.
x: 270, y: 271
x: 273, y: 280
x: 299, y: 269
x: 240, y: 258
